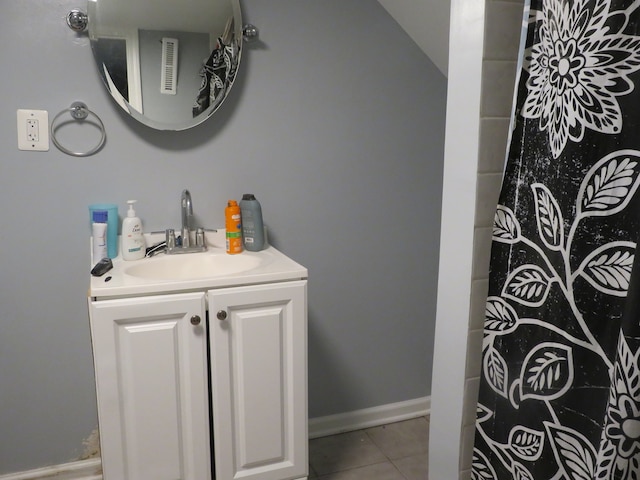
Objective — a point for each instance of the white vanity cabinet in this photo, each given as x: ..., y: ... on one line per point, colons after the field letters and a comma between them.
x: 203, y: 385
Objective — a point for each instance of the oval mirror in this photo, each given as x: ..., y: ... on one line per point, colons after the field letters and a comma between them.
x: 169, y: 64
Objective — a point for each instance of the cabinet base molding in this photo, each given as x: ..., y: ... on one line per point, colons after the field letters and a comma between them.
x: 368, y: 417
x: 81, y: 470
x: 318, y: 427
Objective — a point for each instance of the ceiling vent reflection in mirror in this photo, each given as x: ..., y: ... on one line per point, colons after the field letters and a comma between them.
x: 169, y: 70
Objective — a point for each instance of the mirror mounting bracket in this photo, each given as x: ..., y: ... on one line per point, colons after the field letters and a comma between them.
x: 250, y: 32
x: 77, y: 20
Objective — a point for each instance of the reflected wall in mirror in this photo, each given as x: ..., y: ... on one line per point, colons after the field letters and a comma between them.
x: 169, y: 64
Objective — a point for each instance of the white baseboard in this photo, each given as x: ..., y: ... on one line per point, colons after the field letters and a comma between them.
x: 318, y: 427
x: 81, y: 470
x: 368, y: 417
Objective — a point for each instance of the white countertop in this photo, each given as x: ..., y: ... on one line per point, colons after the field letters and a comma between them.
x: 273, y: 266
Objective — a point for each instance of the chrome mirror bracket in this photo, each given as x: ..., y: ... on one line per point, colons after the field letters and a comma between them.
x: 250, y: 33
x: 77, y: 20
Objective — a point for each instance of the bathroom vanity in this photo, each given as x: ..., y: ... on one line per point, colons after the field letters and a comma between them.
x: 201, y: 366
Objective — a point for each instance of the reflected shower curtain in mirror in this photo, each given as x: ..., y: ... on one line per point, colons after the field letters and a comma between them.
x: 560, y: 379
x: 218, y: 71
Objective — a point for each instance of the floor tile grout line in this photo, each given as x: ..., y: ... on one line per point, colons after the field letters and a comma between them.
x: 392, y: 461
x: 389, y: 459
x: 372, y: 439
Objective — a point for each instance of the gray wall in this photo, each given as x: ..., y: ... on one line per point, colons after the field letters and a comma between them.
x: 336, y: 123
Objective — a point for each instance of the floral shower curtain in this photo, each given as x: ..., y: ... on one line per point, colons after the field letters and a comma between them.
x: 560, y: 383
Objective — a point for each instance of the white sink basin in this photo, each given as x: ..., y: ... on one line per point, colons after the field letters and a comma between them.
x: 192, y: 266
x: 194, y: 271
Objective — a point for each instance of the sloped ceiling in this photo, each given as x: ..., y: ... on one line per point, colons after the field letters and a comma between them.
x: 427, y: 22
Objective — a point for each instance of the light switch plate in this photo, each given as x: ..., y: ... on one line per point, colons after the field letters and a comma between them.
x: 33, y: 130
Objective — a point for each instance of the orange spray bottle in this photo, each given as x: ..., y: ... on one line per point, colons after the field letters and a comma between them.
x: 233, y: 225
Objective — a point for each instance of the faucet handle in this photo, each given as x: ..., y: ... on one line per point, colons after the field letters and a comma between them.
x: 186, y: 237
x: 170, y: 236
x: 199, y: 237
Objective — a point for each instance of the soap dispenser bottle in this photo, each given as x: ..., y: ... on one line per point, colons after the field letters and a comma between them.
x: 133, y: 243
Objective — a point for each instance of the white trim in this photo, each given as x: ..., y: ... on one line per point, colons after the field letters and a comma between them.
x: 466, y: 43
x: 81, y: 470
x: 318, y: 427
x: 134, y: 75
x: 368, y: 417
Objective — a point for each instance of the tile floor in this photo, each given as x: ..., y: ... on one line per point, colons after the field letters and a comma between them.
x: 396, y: 451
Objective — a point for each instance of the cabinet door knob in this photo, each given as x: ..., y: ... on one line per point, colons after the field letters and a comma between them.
x: 222, y: 315
x: 195, y: 320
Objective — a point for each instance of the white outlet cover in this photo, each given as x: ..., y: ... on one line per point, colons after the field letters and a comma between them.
x: 25, y: 140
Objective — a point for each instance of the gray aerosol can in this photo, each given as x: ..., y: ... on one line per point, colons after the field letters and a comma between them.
x: 252, y: 226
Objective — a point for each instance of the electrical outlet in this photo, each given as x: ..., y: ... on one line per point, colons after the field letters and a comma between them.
x: 33, y: 135
x: 33, y: 130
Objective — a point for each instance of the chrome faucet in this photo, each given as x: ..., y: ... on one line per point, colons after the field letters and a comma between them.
x: 186, y: 246
x: 173, y: 245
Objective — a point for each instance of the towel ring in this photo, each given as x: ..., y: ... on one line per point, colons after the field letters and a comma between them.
x: 79, y: 111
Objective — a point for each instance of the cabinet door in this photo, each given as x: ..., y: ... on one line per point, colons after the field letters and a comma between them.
x: 259, y: 381
x: 152, y: 387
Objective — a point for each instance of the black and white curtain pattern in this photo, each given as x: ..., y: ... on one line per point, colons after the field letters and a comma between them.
x: 560, y: 383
